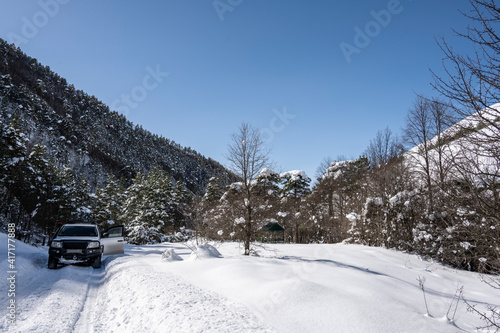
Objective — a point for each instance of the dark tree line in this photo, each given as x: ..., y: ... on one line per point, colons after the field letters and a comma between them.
x: 37, y: 194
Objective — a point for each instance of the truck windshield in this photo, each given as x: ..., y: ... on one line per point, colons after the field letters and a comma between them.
x: 73, y: 230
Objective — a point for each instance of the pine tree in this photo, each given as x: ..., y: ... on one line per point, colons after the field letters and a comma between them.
x: 267, y: 184
x: 34, y: 191
x: 149, y: 207
x: 214, y: 191
x: 72, y: 196
x: 266, y: 191
x: 293, y: 192
x: 12, y: 151
x: 109, y: 202
x: 343, y: 190
x: 181, y: 200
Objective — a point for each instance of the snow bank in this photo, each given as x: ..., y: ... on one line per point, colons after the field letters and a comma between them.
x: 169, y: 255
x: 341, y: 288
x: 205, y: 251
x: 136, y: 297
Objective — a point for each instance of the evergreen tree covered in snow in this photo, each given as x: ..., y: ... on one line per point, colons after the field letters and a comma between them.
x: 214, y: 191
x: 295, y: 188
x: 144, y: 212
x: 341, y: 192
x: 154, y: 207
x: 267, y: 183
x: 109, y: 201
x: 72, y: 196
x: 182, y: 199
x: 36, y: 192
x: 266, y: 189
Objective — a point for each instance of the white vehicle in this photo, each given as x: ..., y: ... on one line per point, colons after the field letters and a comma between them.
x: 84, y: 243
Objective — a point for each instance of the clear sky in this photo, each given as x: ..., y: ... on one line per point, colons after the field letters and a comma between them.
x: 319, y: 77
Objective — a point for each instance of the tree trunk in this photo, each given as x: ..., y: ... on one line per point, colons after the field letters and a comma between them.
x: 248, y: 231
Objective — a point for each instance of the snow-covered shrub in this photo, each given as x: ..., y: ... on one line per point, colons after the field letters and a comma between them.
x: 403, y: 214
x: 182, y: 235
x: 205, y: 251
x: 142, y: 234
x: 170, y: 255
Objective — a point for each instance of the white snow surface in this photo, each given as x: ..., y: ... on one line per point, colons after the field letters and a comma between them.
x: 204, y: 251
x: 266, y: 172
x: 170, y: 255
x: 295, y: 175
x: 288, y: 288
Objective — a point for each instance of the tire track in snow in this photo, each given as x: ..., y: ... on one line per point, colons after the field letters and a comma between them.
x: 84, y: 321
x: 60, y: 297
x: 134, y: 297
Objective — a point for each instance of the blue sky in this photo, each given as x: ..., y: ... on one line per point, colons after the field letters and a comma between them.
x: 193, y: 71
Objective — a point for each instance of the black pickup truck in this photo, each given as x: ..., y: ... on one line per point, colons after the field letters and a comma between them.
x: 84, y: 243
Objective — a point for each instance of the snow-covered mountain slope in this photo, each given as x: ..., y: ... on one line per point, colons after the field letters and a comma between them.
x: 81, y: 132
x: 289, y: 288
x: 467, y: 150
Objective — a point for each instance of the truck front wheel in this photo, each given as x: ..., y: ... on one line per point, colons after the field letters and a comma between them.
x: 97, y: 261
x: 52, y: 264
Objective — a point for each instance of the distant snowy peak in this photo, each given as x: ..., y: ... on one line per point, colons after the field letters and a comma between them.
x: 470, y: 142
x: 490, y: 114
x: 478, y: 123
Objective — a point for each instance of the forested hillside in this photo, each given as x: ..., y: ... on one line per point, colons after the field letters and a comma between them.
x: 81, y: 132
x: 64, y: 154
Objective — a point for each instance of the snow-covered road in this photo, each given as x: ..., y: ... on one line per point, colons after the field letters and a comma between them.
x: 126, y: 295
x: 132, y: 296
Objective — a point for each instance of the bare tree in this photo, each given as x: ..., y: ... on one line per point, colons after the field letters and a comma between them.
x: 442, y: 117
x: 247, y: 156
x: 383, y: 148
x: 321, y: 169
x: 471, y: 81
x: 418, y: 133
x: 427, y: 131
x: 386, y: 178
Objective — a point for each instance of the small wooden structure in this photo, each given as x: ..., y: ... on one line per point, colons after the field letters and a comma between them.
x: 273, y: 233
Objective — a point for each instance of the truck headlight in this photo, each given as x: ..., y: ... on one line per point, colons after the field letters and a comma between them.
x: 93, y: 245
x: 56, y: 245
